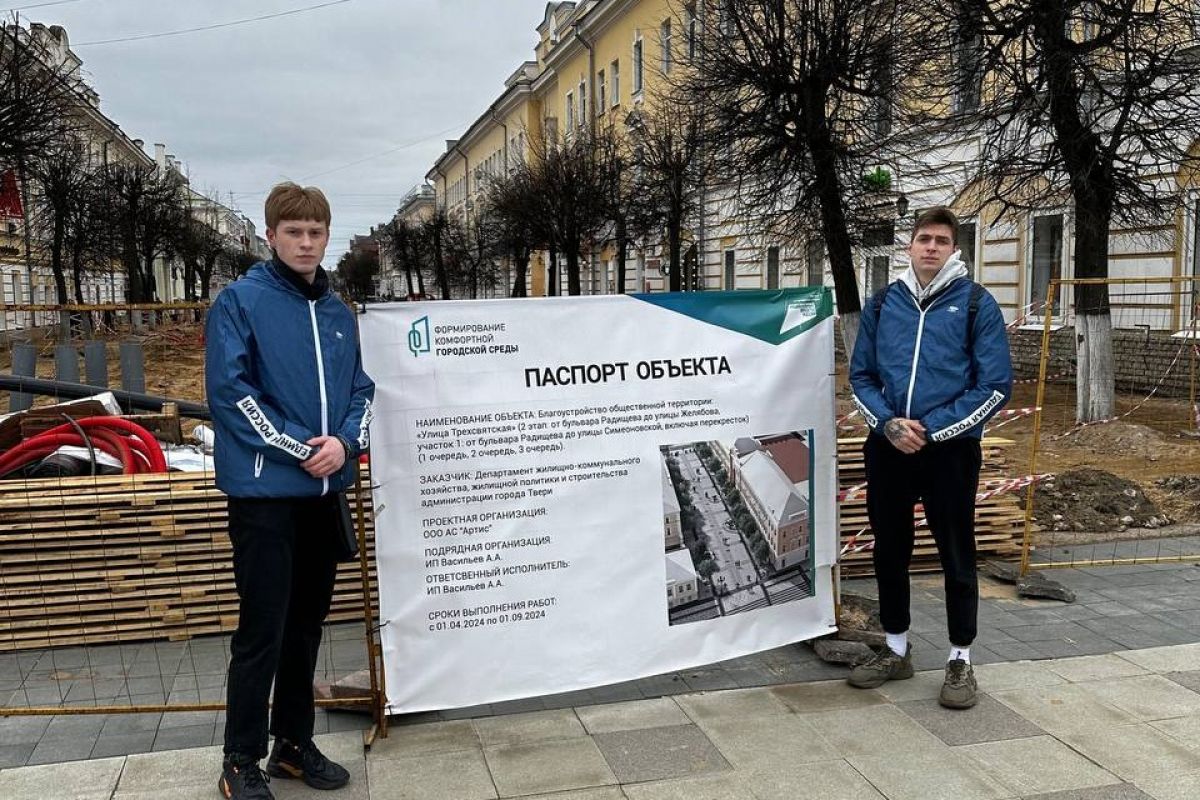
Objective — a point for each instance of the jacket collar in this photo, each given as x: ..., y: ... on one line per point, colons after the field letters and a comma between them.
x: 952, y: 270
x: 311, y: 291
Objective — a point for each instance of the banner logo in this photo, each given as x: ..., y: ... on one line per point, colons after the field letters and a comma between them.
x: 418, y: 337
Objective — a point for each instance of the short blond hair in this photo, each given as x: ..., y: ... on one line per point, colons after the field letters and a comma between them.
x: 292, y: 201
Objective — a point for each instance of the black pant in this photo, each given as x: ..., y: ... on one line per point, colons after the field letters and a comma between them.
x: 284, y: 568
x: 945, y: 477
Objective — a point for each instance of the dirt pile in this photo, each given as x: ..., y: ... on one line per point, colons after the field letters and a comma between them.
x: 1178, y: 496
x: 1121, y: 439
x: 1093, y: 500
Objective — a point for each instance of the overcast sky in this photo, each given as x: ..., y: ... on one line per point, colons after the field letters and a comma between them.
x: 300, y: 97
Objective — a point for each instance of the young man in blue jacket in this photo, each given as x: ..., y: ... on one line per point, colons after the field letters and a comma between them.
x: 291, y: 406
x: 930, y: 367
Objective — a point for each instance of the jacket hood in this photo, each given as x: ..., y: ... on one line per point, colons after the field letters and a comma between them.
x: 953, y: 269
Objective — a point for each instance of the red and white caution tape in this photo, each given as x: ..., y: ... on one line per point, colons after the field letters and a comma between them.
x: 1011, y: 415
x: 995, y: 487
x: 1080, y: 426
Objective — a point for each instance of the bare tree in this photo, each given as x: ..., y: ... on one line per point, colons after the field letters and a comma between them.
x: 514, y: 204
x: 199, y: 247
x: 355, y: 275
x: 572, y: 176
x: 37, y: 95
x: 1090, y: 102
x: 797, y: 99
x: 148, y: 216
x: 409, y: 247
x: 434, y: 229
x: 634, y: 213
x: 669, y: 170
x: 475, y: 247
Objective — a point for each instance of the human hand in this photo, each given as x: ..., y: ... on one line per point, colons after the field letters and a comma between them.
x: 328, y: 459
x: 906, y: 435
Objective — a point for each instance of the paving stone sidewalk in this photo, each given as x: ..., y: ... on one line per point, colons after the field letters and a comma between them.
x: 1117, y: 608
x: 1118, y: 726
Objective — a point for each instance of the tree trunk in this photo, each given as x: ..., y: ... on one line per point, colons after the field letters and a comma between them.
x: 1094, y: 386
x: 622, y: 253
x: 439, y: 264
x: 573, y: 286
x: 552, y: 277
x: 849, y: 321
x: 675, y: 235
x: 520, y: 258
x: 408, y: 278
x: 837, y: 241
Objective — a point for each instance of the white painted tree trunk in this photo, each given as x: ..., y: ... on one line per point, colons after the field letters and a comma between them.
x: 849, y: 322
x: 1094, y: 383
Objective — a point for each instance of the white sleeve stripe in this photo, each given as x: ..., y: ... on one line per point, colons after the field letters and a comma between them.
x: 263, y: 427
x: 976, y: 417
x: 870, y: 418
x: 364, y: 433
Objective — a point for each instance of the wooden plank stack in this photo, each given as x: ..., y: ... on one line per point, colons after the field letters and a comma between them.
x: 999, y: 520
x: 98, y: 560
x: 128, y: 558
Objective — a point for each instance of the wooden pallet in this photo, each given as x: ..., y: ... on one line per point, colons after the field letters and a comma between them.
x: 106, y: 559
x: 98, y: 560
x: 999, y: 520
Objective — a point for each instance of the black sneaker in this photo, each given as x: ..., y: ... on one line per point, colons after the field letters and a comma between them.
x: 306, y: 762
x: 241, y: 779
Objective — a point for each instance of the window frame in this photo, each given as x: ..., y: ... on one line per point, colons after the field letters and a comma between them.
x: 808, y: 261
x: 601, y: 93
x: 1036, y: 318
x: 615, y: 76
x: 665, y: 36
x: 639, y: 78
x: 729, y: 267
x: 767, y: 277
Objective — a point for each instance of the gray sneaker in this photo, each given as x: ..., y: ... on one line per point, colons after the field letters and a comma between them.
x: 884, y: 666
x: 960, y: 689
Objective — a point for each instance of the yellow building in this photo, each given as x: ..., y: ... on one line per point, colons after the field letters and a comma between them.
x: 596, y: 61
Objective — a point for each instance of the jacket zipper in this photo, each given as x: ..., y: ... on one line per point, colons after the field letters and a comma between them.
x: 912, y: 377
x: 258, y: 464
x: 312, y: 313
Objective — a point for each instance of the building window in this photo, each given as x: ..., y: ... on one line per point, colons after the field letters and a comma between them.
x: 693, y: 30
x: 730, y: 269
x: 664, y: 41
x: 815, y: 262
x: 1046, y: 261
x: 967, y: 231
x: 601, y: 93
x: 583, y: 108
x: 967, y: 53
x: 1193, y: 312
x: 881, y: 101
x: 772, y: 267
x: 570, y: 111
x: 614, y: 71
x: 637, y: 67
x: 878, y: 241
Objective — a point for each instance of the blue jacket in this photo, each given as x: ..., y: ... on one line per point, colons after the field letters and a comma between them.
x: 917, y: 361
x: 281, y: 368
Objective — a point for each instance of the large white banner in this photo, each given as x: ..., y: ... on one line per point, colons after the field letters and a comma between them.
x: 571, y: 492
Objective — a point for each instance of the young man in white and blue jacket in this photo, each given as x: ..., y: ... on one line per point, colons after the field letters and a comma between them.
x: 291, y: 407
x: 930, y: 366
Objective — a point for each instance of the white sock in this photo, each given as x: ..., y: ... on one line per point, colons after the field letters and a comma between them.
x: 963, y: 653
x: 898, y: 643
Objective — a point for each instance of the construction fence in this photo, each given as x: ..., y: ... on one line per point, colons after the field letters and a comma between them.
x: 1107, y: 492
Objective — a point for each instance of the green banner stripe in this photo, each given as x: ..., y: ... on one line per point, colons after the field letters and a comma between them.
x: 771, y: 315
